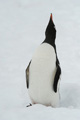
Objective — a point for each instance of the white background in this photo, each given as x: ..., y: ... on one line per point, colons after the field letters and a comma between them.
x: 22, y: 29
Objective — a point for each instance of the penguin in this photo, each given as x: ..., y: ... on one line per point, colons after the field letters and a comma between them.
x: 43, y: 72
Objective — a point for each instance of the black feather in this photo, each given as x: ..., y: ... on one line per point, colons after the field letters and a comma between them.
x: 27, y: 75
x: 56, y: 78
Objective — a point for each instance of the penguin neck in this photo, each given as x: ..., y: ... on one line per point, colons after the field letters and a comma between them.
x: 52, y: 43
x: 49, y: 41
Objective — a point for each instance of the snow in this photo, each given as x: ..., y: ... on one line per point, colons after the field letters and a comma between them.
x: 22, y: 29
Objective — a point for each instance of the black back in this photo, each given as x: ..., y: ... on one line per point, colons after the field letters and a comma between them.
x: 50, y: 39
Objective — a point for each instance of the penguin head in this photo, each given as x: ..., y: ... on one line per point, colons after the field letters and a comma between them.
x: 51, y: 30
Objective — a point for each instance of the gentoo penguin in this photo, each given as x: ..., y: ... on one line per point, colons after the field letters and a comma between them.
x: 43, y: 72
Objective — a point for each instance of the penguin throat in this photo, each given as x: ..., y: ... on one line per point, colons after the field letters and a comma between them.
x: 49, y: 41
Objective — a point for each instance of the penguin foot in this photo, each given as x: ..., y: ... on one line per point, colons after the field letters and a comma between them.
x: 29, y: 105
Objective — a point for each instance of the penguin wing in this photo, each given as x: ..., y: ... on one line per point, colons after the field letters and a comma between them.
x: 27, y: 75
x: 56, y: 78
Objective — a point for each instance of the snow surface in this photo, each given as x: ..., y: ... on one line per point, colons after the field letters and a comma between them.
x: 22, y: 29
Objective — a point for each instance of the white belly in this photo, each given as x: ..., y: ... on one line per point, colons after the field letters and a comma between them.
x: 42, y: 71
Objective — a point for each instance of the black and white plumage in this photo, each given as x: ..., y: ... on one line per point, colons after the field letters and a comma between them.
x: 43, y: 72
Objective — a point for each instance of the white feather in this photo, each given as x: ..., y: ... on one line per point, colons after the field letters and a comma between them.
x: 41, y: 76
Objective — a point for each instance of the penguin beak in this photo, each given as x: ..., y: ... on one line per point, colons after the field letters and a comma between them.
x: 51, y: 17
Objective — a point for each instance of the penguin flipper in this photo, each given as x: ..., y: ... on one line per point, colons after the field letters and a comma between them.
x: 56, y: 78
x: 27, y: 75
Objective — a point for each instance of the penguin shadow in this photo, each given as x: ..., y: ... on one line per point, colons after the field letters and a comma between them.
x: 70, y: 95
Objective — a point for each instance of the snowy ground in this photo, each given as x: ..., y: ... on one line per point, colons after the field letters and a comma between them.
x: 22, y: 29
